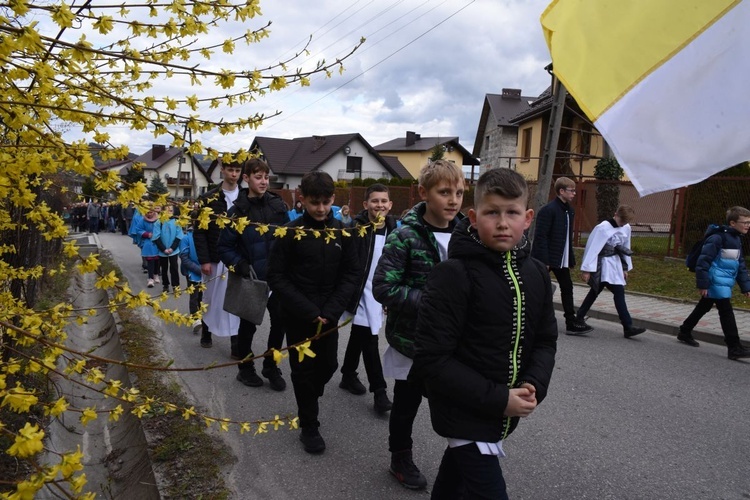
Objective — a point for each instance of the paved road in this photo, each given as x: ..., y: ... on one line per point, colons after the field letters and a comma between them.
x: 645, y: 418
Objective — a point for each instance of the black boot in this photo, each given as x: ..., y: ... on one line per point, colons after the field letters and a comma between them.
x: 382, y: 403
x: 738, y: 352
x: 405, y: 472
x: 351, y: 383
x: 633, y: 331
x: 248, y: 376
x: 685, y: 336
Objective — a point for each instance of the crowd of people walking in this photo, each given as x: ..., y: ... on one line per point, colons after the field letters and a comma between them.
x: 469, y: 324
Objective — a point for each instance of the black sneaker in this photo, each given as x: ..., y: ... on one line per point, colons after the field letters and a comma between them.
x: 578, y: 327
x: 405, y: 472
x: 249, y: 378
x: 275, y: 380
x: 687, y: 338
x: 312, y: 441
x: 351, y: 383
x: 382, y: 403
x: 633, y: 331
x: 738, y: 352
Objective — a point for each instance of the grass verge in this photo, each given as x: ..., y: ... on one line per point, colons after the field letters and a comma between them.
x: 187, y: 459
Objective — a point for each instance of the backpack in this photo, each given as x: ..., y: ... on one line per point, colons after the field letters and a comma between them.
x: 695, y: 251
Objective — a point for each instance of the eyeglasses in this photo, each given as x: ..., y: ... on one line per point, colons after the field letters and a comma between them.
x: 744, y: 222
x: 570, y: 190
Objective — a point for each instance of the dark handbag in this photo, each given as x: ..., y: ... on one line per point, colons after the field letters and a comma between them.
x: 246, y: 297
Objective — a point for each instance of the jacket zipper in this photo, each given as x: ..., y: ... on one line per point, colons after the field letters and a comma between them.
x: 517, y: 339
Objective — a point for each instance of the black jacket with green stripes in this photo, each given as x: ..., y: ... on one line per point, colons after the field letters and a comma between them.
x: 486, y: 324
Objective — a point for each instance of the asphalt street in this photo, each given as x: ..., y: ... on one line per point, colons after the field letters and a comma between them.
x: 642, y: 418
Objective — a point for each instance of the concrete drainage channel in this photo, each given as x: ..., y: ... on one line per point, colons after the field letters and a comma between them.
x: 116, y: 460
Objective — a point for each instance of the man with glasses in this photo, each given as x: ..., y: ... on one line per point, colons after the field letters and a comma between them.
x: 553, y: 245
x: 720, y: 265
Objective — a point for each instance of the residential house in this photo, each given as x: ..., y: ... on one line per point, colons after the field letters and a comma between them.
x: 343, y: 156
x: 580, y: 146
x: 183, y: 175
x: 414, y: 151
x: 496, y: 141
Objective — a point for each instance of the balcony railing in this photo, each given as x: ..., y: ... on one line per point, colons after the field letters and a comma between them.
x: 173, y: 181
x: 364, y: 174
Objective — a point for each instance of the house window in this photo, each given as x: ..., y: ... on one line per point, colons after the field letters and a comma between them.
x: 526, y: 144
x: 184, y: 177
x: 487, y: 143
x: 186, y: 192
x: 354, y: 166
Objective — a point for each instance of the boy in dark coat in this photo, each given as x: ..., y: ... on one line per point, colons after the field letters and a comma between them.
x: 486, y: 338
x: 313, y: 275
x: 553, y: 245
x: 721, y: 264
x: 252, y: 249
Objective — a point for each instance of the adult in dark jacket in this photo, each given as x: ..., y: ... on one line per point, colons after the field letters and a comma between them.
x: 206, y: 238
x: 553, y: 245
x: 251, y: 248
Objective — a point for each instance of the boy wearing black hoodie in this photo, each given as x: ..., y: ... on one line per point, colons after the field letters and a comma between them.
x: 486, y: 337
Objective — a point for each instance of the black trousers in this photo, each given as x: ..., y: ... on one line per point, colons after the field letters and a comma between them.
x: 362, y: 341
x: 246, y: 333
x: 726, y: 318
x: 467, y: 474
x: 406, y: 400
x: 562, y: 275
x: 196, y: 297
x: 169, y: 270
x: 310, y: 376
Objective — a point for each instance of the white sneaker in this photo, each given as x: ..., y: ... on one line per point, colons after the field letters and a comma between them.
x: 150, y: 284
x: 156, y: 279
x: 197, y: 327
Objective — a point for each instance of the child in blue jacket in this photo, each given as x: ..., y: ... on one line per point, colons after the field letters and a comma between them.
x: 143, y: 231
x: 191, y: 268
x: 719, y: 266
x: 167, y: 236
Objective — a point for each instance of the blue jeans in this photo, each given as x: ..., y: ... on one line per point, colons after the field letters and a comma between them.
x: 467, y: 474
x: 618, y: 292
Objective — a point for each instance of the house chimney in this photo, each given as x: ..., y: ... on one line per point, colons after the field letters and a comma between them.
x: 411, y: 138
x: 511, y: 94
x: 157, y: 150
x: 319, y: 142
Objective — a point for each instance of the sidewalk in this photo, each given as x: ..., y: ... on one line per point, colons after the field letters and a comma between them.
x: 659, y: 314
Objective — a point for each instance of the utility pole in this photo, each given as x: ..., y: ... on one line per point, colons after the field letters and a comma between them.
x: 547, y: 165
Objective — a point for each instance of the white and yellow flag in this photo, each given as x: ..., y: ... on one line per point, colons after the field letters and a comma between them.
x: 666, y: 82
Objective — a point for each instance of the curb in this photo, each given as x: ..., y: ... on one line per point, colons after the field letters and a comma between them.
x: 653, y: 325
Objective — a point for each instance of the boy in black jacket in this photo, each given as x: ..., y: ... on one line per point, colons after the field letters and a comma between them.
x: 486, y: 338
x: 252, y: 249
x: 553, y: 245
x: 314, y: 275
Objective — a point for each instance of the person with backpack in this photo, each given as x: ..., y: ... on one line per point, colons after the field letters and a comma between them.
x: 720, y: 264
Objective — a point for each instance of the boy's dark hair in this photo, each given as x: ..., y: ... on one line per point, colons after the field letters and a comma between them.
x: 317, y: 184
x: 376, y: 188
x: 255, y: 165
x: 734, y: 214
x: 563, y: 183
x: 503, y: 182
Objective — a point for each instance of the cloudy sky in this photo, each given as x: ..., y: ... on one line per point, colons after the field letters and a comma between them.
x: 425, y: 67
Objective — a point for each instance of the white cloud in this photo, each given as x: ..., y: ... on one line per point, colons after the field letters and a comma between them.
x: 405, y: 77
